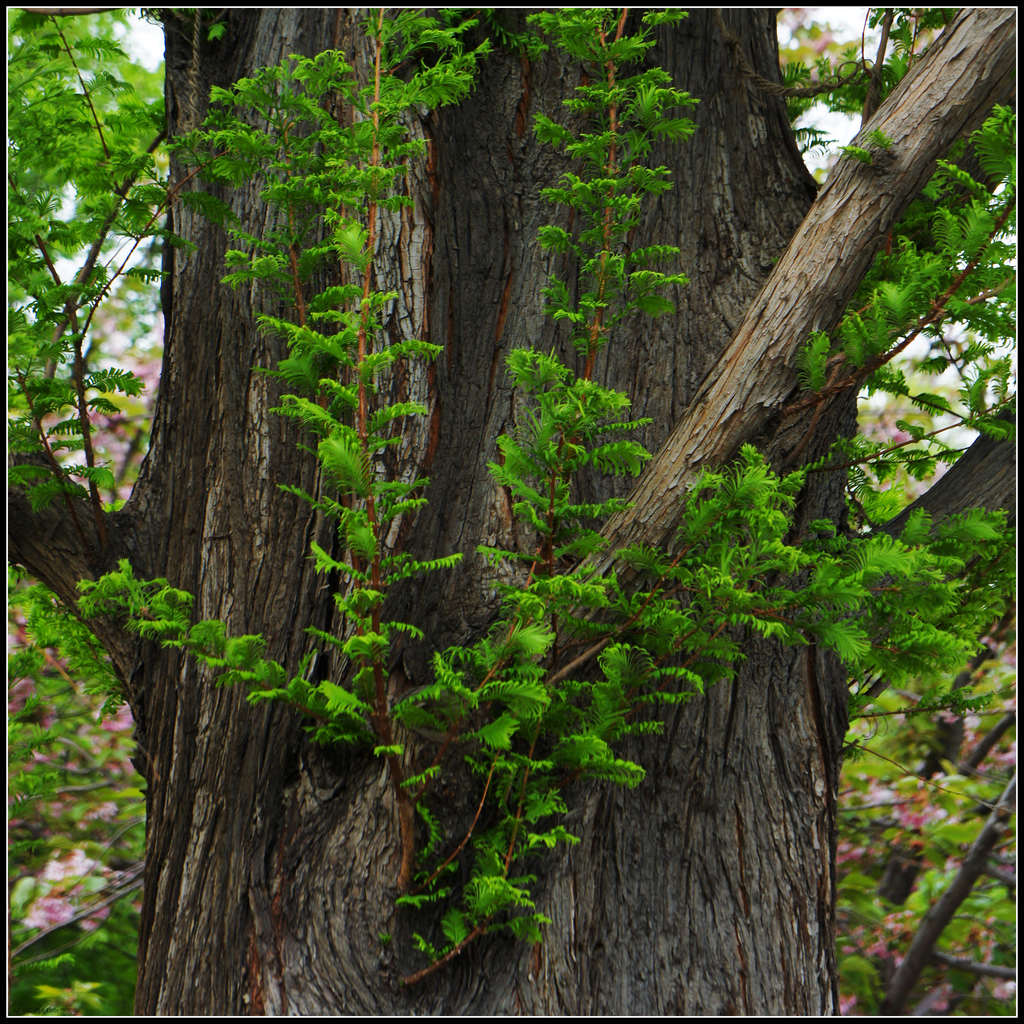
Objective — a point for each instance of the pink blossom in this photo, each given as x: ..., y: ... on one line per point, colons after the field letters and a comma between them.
x: 93, y: 922
x: 939, y: 1001
x: 121, y: 722
x: 48, y: 911
x: 910, y: 819
x: 106, y: 811
x: 1006, y: 758
x: 18, y: 694
x: 74, y: 865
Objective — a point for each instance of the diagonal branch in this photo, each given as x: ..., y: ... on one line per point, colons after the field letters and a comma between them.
x: 948, y: 94
x: 986, y: 470
x: 942, y: 911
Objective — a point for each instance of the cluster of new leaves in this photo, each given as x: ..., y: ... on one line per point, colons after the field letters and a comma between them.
x: 931, y: 324
x: 573, y: 423
x: 621, y: 117
x: 899, y: 607
x: 82, y: 178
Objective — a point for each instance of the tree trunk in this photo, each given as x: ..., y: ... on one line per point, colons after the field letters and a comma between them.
x: 271, y: 863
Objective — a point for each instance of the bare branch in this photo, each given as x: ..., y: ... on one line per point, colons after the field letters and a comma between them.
x: 991, y: 738
x: 934, y: 922
x: 875, y: 84
x: 974, y: 967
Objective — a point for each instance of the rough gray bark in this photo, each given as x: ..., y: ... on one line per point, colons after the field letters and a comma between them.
x: 270, y: 863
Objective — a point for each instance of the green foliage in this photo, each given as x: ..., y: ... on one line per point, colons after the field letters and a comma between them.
x: 276, y: 126
x: 86, y: 191
x: 937, y: 305
x: 929, y: 337
x: 623, y: 116
x: 858, y: 153
x: 576, y: 663
x: 821, y: 70
x: 564, y: 435
x: 75, y: 826
x: 916, y: 798
x: 83, y: 177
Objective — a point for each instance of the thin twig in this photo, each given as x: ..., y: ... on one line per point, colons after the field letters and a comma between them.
x: 875, y: 82
x: 959, y: 963
x: 85, y: 91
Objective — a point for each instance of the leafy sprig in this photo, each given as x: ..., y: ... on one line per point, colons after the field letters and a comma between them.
x: 937, y: 304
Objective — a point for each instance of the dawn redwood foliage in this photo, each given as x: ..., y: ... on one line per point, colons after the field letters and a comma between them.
x: 434, y: 714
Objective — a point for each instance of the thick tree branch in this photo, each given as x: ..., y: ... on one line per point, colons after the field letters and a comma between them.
x: 922, y: 948
x: 48, y: 545
x: 948, y: 94
x: 986, y: 474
